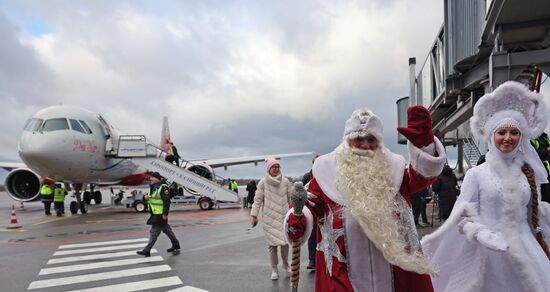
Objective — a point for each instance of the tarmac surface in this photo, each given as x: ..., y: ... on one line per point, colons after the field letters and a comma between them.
x: 96, y: 251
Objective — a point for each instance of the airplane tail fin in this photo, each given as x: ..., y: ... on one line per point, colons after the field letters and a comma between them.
x: 165, y: 138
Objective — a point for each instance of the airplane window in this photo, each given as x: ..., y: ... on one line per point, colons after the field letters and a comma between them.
x: 76, y: 126
x: 33, y: 124
x: 55, y: 125
x: 85, y: 126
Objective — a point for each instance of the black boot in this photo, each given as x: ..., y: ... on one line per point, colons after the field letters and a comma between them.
x: 175, y: 247
x: 144, y: 253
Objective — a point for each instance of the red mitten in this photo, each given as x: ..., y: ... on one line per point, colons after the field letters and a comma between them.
x: 419, y: 126
x: 296, y: 226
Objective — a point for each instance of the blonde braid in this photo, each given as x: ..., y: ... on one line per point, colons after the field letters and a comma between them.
x: 528, y: 171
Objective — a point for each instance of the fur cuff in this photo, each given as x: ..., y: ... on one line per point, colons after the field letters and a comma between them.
x: 309, y: 218
x: 424, y: 162
x: 471, y: 229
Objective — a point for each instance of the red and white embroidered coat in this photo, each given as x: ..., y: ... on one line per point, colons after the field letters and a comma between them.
x: 346, y: 260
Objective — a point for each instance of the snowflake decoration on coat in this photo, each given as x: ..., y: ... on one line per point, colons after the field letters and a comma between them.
x: 328, y: 244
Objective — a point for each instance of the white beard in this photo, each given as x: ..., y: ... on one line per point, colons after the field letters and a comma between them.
x: 365, y: 181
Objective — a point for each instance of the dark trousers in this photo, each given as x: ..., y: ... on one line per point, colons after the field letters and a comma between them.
x: 420, y: 209
x: 59, y: 207
x: 155, y: 232
x: 312, y: 244
x: 47, y: 207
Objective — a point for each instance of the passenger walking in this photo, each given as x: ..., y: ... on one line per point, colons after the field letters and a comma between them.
x: 169, y: 151
x: 446, y: 189
x: 542, y: 145
x: 359, y: 194
x: 46, y: 194
x: 419, y: 201
x: 158, y: 199
x: 175, y: 154
x: 493, y: 240
x: 59, y: 200
x: 273, y: 198
x: 251, y: 189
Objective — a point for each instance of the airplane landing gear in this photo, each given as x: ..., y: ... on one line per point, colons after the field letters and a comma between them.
x: 79, y: 204
x: 74, y: 207
x: 92, y: 194
x: 97, y: 197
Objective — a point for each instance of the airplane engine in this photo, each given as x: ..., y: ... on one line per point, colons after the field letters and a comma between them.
x: 23, y: 185
x: 203, y: 170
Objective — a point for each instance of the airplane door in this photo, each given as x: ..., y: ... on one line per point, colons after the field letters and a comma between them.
x: 108, y: 134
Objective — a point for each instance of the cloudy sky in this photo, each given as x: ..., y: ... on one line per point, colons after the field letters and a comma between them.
x: 235, y: 78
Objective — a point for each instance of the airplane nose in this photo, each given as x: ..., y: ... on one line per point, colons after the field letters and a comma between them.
x: 35, y: 149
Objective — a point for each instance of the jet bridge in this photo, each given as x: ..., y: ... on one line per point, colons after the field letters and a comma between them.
x: 148, y: 156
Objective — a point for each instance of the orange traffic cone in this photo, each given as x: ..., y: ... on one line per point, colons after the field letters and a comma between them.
x: 13, y: 220
x: 21, y: 207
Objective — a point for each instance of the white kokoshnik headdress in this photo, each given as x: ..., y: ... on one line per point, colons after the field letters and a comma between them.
x: 510, y: 100
x: 362, y: 123
x: 512, y: 105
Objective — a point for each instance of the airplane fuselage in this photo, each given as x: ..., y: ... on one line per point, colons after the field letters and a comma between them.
x: 69, y: 144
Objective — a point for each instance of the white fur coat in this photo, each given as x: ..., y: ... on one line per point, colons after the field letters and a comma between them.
x: 273, y: 198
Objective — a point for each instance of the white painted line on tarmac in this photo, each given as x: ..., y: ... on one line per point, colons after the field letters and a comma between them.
x: 90, y: 266
x: 97, y: 277
x: 95, y: 257
x: 98, y: 249
x: 187, y: 289
x: 114, y: 242
x: 136, y: 286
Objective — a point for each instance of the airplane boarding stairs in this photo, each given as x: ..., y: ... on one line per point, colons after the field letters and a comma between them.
x: 148, y: 156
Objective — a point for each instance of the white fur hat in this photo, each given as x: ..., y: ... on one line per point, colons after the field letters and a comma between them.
x: 362, y: 123
x: 510, y: 100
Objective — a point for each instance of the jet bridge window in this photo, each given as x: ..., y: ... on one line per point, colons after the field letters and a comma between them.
x: 85, y: 126
x: 33, y: 124
x: 55, y: 125
x: 75, y: 125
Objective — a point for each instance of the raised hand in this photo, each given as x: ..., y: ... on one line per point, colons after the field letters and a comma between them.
x: 419, y: 126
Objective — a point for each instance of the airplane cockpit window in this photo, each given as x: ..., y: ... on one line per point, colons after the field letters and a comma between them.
x: 75, y: 125
x: 33, y: 124
x: 85, y: 126
x: 55, y: 125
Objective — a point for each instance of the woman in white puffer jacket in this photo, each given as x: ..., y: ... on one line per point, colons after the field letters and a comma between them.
x: 273, y: 197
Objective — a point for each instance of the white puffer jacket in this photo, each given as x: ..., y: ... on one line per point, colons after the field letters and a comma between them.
x: 273, y: 196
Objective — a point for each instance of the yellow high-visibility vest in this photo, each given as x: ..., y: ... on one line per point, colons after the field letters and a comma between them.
x: 156, y: 205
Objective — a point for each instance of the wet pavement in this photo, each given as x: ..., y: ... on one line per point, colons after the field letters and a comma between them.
x: 220, y: 251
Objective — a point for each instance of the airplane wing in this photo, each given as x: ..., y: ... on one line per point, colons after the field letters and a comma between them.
x: 12, y: 165
x: 225, y: 162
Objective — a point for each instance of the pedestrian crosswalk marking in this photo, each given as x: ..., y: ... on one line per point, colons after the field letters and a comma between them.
x: 95, y: 257
x: 99, y: 249
x: 137, y: 286
x: 187, y: 289
x: 98, y: 276
x: 102, y: 243
x: 90, y: 266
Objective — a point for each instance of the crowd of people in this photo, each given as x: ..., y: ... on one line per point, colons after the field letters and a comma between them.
x: 364, y: 204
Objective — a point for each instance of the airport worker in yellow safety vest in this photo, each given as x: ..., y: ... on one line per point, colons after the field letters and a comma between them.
x: 46, y: 194
x: 158, y: 200
x: 59, y: 200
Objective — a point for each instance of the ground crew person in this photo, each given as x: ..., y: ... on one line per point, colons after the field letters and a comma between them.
x: 59, y: 200
x: 233, y: 186
x: 542, y: 145
x: 158, y: 199
x: 46, y: 194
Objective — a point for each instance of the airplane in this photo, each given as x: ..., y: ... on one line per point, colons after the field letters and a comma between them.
x: 77, y: 147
